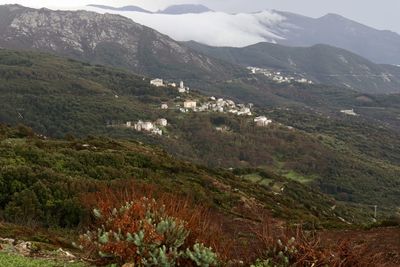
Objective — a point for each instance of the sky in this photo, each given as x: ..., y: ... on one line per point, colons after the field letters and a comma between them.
x: 383, y: 14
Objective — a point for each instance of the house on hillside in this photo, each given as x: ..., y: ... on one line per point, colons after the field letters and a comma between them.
x: 144, y: 126
x: 350, y: 112
x: 190, y: 104
x: 262, y: 121
x: 164, y: 106
x: 157, y: 82
x: 244, y: 111
x: 162, y: 122
x: 172, y: 84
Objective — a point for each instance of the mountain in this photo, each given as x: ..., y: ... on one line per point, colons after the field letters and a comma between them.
x: 124, y: 8
x: 380, y: 46
x: 185, y: 9
x: 320, y: 63
x: 244, y: 29
x: 170, y: 10
x: 105, y: 39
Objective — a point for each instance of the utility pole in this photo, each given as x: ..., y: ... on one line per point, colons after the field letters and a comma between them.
x: 375, y: 210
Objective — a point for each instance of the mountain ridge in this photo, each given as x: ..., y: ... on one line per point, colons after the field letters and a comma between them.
x: 105, y: 39
x: 170, y: 10
x: 321, y: 63
x: 286, y: 28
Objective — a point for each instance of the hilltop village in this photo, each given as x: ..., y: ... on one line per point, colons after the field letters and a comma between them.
x: 188, y: 102
x: 279, y: 77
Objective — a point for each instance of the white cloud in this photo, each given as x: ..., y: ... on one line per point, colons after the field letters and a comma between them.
x: 212, y: 28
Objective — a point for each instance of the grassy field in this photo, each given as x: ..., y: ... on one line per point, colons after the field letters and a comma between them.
x: 10, y: 260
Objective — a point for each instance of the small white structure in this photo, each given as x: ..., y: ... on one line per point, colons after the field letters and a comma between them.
x: 147, y: 126
x: 157, y: 82
x: 244, y: 111
x: 129, y: 124
x: 182, y: 88
x: 162, y: 122
x: 164, y: 106
x: 156, y: 131
x: 144, y: 126
x: 262, y: 121
x: 190, y: 104
x: 349, y: 112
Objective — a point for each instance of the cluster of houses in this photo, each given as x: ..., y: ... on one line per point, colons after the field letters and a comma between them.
x: 148, y: 126
x: 161, y: 83
x: 278, y: 77
x: 217, y: 105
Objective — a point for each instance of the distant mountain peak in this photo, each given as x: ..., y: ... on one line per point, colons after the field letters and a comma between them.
x: 124, y: 8
x: 332, y: 15
x: 185, y: 9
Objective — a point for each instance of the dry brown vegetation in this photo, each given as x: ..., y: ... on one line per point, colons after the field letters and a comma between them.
x: 237, y: 240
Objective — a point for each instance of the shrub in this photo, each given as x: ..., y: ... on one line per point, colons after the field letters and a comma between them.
x: 141, y: 232
x: 299, y: 248
x: 203, y: 223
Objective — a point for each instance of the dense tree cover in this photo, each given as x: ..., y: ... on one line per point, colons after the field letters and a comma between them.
x: 43, y: 181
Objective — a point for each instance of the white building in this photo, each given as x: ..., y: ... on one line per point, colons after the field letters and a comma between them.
x: 190, y: 104
x: 128, y: 124
x: 157, y: 82
x: 144, y: 126
x: 262, y: 121
x: 156, y: 131
x: 349, y: 112
x: 162, y: 122
x: 164, y: 106
x: 182, y: 88
x: 244, y: 111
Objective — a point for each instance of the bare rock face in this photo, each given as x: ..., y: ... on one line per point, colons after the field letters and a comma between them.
x: 101, y: 39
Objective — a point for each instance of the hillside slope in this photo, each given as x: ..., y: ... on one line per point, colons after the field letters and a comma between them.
x: 105, y: 39
x: 56, y: 96
x: 321, y: 63
x: 62, y: 172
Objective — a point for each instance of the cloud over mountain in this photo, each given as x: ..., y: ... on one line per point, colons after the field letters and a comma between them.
x: 213, y: 28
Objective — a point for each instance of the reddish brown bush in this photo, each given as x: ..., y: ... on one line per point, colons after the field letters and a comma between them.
x: 204, y: 225
x: 295, y: 247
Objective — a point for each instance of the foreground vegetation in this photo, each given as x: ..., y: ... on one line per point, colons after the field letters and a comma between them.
x: 11, y: 260
x: 58, y: 183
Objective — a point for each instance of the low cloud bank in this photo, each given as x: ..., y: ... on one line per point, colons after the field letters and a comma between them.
x: 212, y: 28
